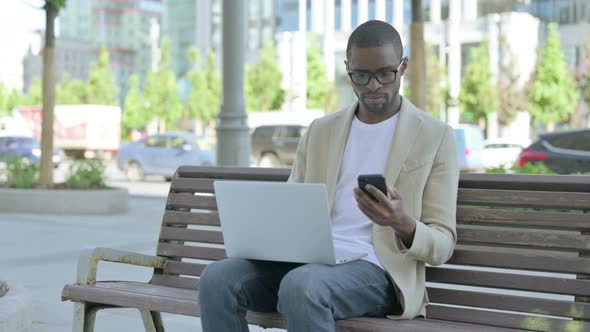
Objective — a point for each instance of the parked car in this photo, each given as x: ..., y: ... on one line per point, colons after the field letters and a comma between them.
x: 161, y: 155
x: 275, y: 145
x: 563, y: 152
x: 470, y: 147
x: 26, y: 148
x: 501, y: 153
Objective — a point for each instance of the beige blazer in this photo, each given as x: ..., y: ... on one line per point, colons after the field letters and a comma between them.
x: 423, y: 166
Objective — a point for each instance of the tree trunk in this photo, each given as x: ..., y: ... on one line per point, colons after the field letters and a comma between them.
x: 418, y: 62
x: 46, y: 165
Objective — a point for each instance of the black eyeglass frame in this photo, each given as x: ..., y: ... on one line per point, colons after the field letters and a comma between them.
x: 374, y: 74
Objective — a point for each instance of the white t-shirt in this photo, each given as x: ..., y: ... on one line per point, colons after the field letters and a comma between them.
x: 366, y: 152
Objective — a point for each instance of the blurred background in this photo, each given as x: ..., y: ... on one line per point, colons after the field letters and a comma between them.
x: 139, y: 82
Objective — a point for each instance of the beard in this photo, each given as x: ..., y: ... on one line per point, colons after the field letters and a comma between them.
x: 379, y: 108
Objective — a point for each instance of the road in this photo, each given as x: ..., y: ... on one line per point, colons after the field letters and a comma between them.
x: 40, y: 253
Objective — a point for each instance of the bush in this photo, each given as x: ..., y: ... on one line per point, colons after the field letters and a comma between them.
x: 529, y: 168
x: 21, y: 173
x: 86, y: 174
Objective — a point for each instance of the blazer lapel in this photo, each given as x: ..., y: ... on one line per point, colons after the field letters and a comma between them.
x: 336, y: 144
x: 407, y: 130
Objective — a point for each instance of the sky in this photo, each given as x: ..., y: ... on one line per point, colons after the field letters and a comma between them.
x: 18, y: 19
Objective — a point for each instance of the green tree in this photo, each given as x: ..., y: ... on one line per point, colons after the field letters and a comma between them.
x: 134, y: 112
x: 263, y: 82
x: 205, y: 96
x: 512, y: 98
x: 70, y: 91
x: 34, y: 96
x: 13, y: 99
x: 478, y: 95
x: 437, y: 83
x: 318, y: 85
x: 583, y: 76
x: 553, y: 95
x: 101, y: 85
x: 3, y: 99
x: 161, y: 92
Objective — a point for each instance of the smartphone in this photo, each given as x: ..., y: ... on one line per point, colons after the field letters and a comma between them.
x: 376, y: 180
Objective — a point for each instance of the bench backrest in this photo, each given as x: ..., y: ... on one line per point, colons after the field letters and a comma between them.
x: 522, y: 258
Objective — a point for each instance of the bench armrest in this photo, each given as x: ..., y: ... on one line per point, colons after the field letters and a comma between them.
x: 88, y: 262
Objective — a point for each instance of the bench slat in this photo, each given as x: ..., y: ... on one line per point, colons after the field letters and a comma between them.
x: 543, y: 263
x: 182, y: 251
x: 191, y: 235
x: 184, y: 268
x: 510, y: 281
x: 525, y: 199
x: 524, y: 238
x: 191, y: 185
x: 541, y: 219
x: 116, y: 297
x: 191, y: 218
x: 377, y: 324
x: 189, y: 201
x: 500, y: 319
x: 174, y: 281
x: 510, y: 303
x: 538, y: 182
x: 234, y: 173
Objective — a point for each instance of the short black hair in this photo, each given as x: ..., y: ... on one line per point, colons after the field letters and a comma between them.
x: 374, y: 33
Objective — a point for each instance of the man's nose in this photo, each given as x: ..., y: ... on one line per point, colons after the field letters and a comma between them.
x: 374, y: 85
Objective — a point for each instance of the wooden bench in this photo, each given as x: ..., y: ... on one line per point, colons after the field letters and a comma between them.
x: 521, y: 263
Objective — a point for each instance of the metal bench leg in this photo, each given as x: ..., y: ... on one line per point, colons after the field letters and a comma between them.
x: 84, y: 317
x: 152, y: 320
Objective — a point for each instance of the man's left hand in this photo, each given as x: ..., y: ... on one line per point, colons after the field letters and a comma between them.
x: 387, y: 211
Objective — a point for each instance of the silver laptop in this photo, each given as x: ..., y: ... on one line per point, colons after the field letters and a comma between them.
x: 286, y: 222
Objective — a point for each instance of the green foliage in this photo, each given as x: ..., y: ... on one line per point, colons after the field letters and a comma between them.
x: 318, y: 85
x: 583, y: 76
x: 478, y: 95
x: 512, y: 99
x: 71, y: 91
x: 21, y: 173
x: 553, y: 94
x: 101, y: 85
x: 57, y: 4
x: 437, y: 83
x: 34, y: 96
x: 529, y: 168
x: 205, y: 96
x: 8, y: 99
x: 134, y: 113
x: 161, y: 92
x: 86, y: 174
x: 263, y: 82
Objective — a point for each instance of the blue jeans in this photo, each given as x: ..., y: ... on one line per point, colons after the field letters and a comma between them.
x: 309, y: 296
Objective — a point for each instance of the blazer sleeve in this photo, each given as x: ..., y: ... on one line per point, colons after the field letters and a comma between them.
x: 299, y: 165
x: 436, y: 234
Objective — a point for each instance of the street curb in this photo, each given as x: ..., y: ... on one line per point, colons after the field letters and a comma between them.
x: 16, y: 309
x: 61, y: 201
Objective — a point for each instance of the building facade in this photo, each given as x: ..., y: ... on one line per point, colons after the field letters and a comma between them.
x: 72, y: 58
x: 124, y: 27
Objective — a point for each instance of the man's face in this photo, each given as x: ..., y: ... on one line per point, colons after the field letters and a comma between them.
x: 375, y: 97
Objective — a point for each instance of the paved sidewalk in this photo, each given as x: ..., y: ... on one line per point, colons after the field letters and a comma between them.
x: 40, y: 253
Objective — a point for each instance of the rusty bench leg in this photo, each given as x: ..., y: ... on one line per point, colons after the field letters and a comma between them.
x: 84, y: 317
x: 152, y: 321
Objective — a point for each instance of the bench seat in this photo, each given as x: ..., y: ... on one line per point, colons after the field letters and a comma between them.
x: 184, y: 302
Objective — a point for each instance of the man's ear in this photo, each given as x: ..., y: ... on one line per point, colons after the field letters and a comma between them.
x: 404, y: 65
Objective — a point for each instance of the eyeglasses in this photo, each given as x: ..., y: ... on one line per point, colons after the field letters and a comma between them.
x: 385, y: 76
